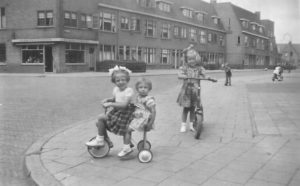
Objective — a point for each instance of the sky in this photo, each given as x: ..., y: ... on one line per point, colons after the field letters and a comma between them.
x: 284, y: 13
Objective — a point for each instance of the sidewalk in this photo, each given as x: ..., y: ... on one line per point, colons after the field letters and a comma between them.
x: 242, y: 144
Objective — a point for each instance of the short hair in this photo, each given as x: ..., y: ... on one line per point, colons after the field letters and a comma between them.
x: 113, y: 75
x: 143, y: 80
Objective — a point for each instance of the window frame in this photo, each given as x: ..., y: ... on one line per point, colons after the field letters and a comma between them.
x: 104, y: 21
x: 150, y: 25
x: 46, y: 21
x: 37, y: 52
x: 166, y: 31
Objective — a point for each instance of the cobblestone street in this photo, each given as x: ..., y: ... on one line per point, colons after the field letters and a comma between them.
x: 251, y: 113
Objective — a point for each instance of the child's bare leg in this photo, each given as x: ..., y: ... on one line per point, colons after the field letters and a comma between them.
x: 192, y: 118
x: 127, y: 144
x: 99, y: 140
x: 185, y: 112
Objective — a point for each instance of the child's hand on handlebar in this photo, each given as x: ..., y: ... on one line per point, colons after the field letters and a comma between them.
x: 106, y: 104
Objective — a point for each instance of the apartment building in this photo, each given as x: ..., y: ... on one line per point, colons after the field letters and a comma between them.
x: 71, y: 35
x: 290, y: 54
x: 250, y: 40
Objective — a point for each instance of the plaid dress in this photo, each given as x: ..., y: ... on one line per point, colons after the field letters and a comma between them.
x: 119, y: 119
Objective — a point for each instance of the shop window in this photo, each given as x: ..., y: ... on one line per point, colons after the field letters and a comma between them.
x: 32, y: 54
x: 75, y: 53
x: 2, y: 18
x: 107, y: 22
x: 45, y: 18
x: 2, y: 52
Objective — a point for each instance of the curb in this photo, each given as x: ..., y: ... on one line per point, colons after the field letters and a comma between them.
x: 33, y: 165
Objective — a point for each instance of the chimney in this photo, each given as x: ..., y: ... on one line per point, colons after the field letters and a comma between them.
x: 257, y: 13
x: 213, y: 1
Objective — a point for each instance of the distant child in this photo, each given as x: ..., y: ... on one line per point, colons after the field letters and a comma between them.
x: 188, y: 97
x: 117, y: 119
x: 228, y: 74
x: 145, y: 112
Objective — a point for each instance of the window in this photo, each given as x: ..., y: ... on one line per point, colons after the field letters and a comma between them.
x: 89, y: 21
x: 261, y: 29
x: 83, y: 21
x: 96, y: 21
x: 147, y: 3
x: 107, y: 22
x: 221, y: 40
x: 253, y: 27
x: 45, y: 18
x: 165, y: 56
x: 183, y: 33
x: 150, y: 28
x: 165, y: 7
x: 239, y: 40
x: 165, y: 31
x: 135, y: 24
x: 246, y: 41
x: 209, y: 38
x: 176, y: 31
x: 70, y: 19
x: 74, y: 53
x: 124, y: 23
x: 32, y: 54
x: 216, y: 20
x: 200, y: 17
x: 202, y: 37
x: 187, y: 12
x: 193, y: 35
x: 2, y: 18
x: 245, y: 24
x: 2, y: 52
x: 106, y: 52
x: 149, y: 55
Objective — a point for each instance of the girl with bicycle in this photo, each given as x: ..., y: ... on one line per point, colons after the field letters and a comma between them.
x: 188, y: 97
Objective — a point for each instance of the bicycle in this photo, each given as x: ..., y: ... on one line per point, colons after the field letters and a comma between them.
x: 199, y: 113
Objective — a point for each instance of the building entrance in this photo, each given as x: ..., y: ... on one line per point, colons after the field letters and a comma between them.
x: 48, y: 59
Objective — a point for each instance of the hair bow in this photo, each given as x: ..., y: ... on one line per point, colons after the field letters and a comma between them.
x: 117, y: 68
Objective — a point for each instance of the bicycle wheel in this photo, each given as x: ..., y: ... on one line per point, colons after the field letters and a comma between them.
x: 140, y: 145
x: 145, y: 156
x: 198, y: 125
x: 99, y: 152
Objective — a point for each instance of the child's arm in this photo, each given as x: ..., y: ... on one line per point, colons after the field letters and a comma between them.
x: 118, y: 105
x: 108, y: 100
x: 152, y: 118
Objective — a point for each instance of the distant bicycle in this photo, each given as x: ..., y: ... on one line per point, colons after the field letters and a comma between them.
x: 199, y: 113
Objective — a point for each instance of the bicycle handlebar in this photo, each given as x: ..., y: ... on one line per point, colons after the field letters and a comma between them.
x: 206, y: 79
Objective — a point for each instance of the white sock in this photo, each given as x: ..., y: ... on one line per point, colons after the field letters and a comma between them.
x: 99, y: 138
x: 126, y: 146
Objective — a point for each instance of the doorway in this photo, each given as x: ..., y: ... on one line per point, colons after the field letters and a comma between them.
x: 48, y: 59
